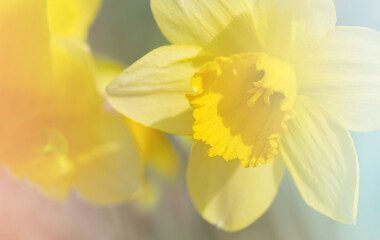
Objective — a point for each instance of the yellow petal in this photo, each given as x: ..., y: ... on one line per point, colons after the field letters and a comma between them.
x: 155, y: 149
x: 107, y: 70
x: 228, y: 195
x: 108, y: 167
x: 343, y: 76
x: 152, y: 91
x: 72, y: 90
x: 72, y: 17
x: 153, y: 146
x: 43, y: 160
x: 148, y: 197
x: 320, y: 155
x: 218, y: 25
x: 288, y: 29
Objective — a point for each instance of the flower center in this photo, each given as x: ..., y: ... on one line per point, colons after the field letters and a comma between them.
x: 241, y: 105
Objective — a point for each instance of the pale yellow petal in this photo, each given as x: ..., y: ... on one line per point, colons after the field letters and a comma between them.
x: 155, y: 148
x: 320, y: 155
x: 108, y: 167
x: 43, y: 160
x: 72, y: 17
x: 147, y: 199
x: 72, y: 91
x: 107, y: 70
x: 228, y: 195
x: 343, y: 76
x: 152, y: 90
x: 289, y: 29
x: 218, y: 25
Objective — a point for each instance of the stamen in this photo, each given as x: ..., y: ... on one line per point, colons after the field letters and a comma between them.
x: 257, y: 93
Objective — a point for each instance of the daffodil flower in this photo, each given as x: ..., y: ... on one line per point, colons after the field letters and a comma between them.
x: 53, y: 129
x: 260, y: 84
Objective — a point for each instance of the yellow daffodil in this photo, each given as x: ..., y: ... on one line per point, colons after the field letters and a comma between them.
x: 53, y: 127
x: 269, y: 84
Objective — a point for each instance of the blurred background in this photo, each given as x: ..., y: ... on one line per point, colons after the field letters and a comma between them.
x: 125, y: 30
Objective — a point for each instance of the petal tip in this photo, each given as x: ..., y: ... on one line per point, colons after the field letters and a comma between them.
x: 219, y: 224
x: 113, y: 87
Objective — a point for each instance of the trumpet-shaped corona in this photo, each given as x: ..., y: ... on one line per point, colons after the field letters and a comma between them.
x: 241, y: 106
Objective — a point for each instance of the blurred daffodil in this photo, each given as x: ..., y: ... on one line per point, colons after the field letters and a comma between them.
x: 270, y: 83
x: 53, y: 126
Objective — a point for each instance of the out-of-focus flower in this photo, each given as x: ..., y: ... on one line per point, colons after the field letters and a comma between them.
x: 53, y: 127
x: 269, y: 79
